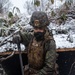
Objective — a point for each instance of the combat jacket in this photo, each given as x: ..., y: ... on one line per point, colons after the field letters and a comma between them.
x: 50, y: 53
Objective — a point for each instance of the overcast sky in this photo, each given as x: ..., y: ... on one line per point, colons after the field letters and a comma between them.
x: 19, y: 4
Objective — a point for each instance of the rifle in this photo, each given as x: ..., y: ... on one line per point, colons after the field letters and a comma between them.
x: 20, y: 57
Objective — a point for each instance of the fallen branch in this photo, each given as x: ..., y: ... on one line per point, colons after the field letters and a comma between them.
x: 56, y: 18
x: 6, y: 38
x: 2, y: 59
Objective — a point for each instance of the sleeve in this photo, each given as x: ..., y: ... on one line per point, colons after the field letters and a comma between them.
x: 50, y: 60
x: 25, y: 38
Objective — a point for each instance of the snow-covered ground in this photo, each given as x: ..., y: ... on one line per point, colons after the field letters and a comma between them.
x: 61, y: 41
x: 10, y: 47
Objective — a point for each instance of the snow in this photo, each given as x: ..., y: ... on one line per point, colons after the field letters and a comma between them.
x: 19, y: 4
x: 57, y: 4
x: 62, y: 40
x: 10, y: 47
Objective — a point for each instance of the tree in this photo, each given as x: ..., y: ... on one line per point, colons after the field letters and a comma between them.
x: 69, y: 3
x: 34, y: 5
x: 4, y: 5
x: 29, y: 6
x: 40, y: 5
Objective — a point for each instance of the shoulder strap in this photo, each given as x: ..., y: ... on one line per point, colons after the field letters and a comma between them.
x: 48, y: 38
x: 48, y: 34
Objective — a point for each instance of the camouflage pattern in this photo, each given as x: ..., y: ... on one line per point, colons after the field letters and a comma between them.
x: 39, y: 19
x: 48, y: 60
x: 36, y: 53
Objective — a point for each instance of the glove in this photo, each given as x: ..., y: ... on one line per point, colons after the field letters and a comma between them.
x: 16, y: 39
x: 26, y: 70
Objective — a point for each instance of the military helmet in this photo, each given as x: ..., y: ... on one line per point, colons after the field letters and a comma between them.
x: 39, y: 19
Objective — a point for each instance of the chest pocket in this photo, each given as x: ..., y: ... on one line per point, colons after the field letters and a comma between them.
x: 36, y: 55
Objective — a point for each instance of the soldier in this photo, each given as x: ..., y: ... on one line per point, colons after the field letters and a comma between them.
x: 40, y: 46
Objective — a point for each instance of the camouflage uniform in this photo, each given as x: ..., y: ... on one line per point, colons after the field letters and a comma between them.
x: 47, y: 56
x: 41, y: 55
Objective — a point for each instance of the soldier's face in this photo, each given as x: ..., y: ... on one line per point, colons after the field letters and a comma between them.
x: 39, y: 34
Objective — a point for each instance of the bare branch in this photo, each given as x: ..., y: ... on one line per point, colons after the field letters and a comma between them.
x: 5, y: 40
x: 4, y: 5
x: 2, y: 59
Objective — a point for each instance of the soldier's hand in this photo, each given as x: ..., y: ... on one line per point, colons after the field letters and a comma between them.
x: 26, y: 67
x: 26, y: 70
x: 16, y: 39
